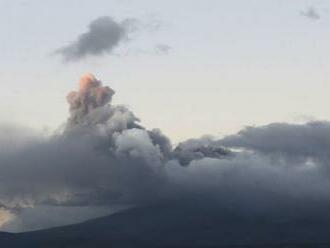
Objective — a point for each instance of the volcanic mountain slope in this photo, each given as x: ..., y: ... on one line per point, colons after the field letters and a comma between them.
x: 176, y: 225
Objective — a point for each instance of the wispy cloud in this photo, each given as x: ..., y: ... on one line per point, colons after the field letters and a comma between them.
x: 163, y: 48
x: 311, y: 13
x: 104, y: 34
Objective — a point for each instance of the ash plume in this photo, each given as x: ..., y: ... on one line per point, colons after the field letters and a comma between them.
x: 298, y: 144
x: 197, y: 149
x: 104, y: 156
x: 91, y: 95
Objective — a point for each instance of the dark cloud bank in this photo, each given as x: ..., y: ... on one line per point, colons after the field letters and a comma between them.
x: 103, y: 156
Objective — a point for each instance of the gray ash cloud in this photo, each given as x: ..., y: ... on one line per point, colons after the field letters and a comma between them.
x: 104, y: 156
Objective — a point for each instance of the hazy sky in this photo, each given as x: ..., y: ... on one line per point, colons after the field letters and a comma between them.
x: 232, y: 63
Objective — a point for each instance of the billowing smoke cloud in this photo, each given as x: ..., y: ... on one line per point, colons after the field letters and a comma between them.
x: 311, y: 13
x: 103, y: 36
x: 91, y: 95
x: 298, y: 144
x: 104, y: 156
x: 197, y: 149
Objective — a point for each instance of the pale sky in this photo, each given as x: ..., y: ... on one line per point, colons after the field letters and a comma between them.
x: 233, y: 62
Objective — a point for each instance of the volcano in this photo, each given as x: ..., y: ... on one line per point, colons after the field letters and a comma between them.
x: 179, y: 224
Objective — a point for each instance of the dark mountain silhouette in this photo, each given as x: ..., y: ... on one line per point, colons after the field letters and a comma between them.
x: 177, y: 225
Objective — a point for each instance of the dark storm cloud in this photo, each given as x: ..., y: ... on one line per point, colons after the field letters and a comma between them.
x: 103, y: 36
x: 311, y: 13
